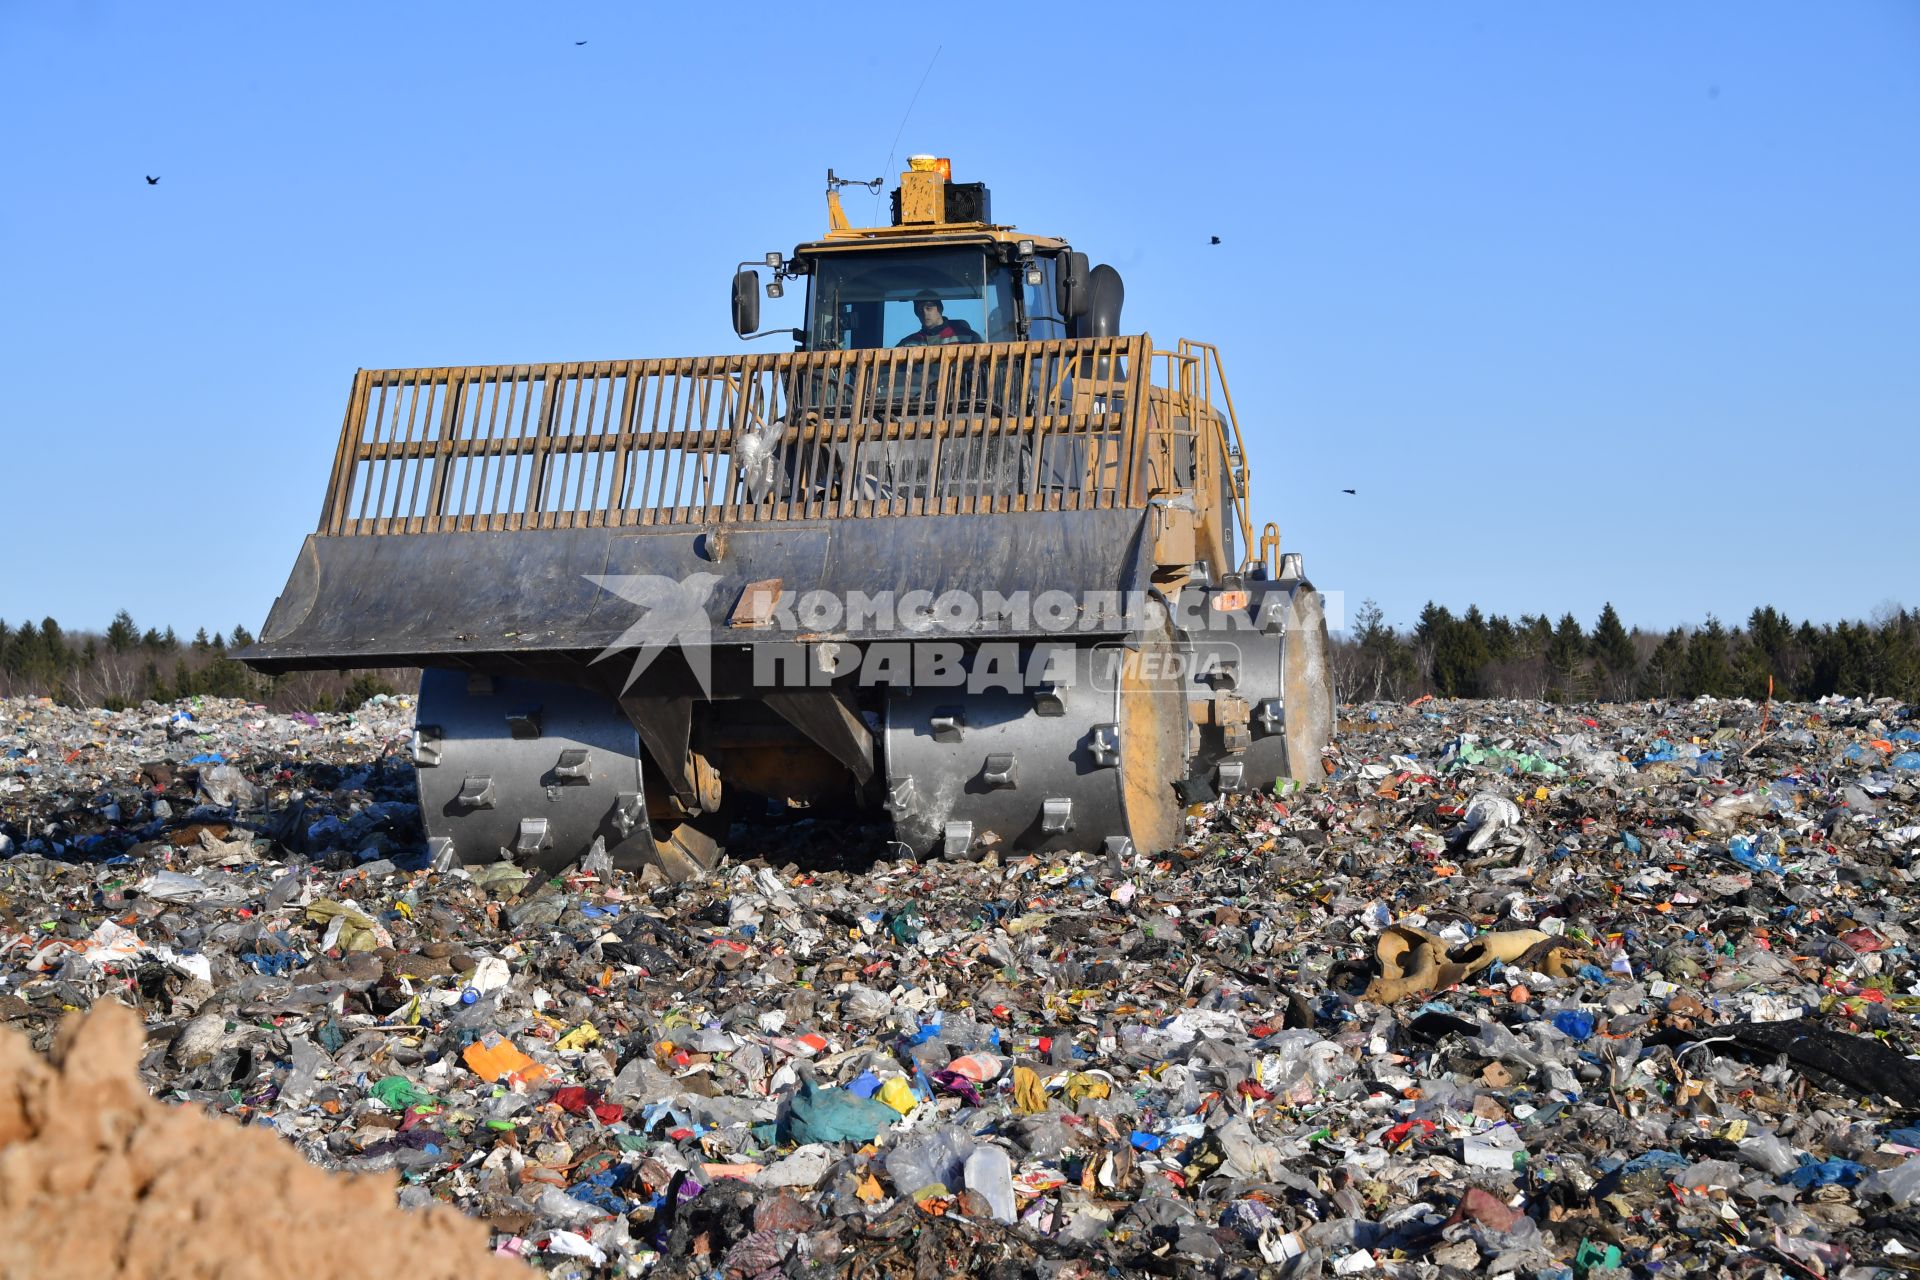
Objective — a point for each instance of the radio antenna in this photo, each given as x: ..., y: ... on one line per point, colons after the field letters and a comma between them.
x: 895, y: 144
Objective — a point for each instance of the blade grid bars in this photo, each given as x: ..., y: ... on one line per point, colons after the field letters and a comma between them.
x: 956, y: 430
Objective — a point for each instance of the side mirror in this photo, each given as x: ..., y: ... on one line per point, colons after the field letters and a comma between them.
x: 1071, y: 284
x: 746, y: 302
x: 1105, y: 294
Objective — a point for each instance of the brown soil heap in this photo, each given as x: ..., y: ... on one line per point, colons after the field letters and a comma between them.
x: 99, y: 1179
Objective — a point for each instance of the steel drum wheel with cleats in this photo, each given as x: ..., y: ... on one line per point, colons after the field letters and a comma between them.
x: 1080, y: 761
x: 533, y: 772
x: 1279, y: 670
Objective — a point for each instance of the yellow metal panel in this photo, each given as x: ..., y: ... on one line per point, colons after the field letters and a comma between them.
x: 923, y: 198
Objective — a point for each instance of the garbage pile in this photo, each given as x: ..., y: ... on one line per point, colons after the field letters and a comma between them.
x: 1581, y: 992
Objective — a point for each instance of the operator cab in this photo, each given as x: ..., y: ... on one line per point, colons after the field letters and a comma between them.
x: 867, y: 288
x: 873, y: 297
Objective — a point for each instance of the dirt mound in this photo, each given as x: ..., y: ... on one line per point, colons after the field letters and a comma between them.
x: 99, y: 1179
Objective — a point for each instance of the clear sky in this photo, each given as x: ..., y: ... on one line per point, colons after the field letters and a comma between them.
x: 1612, y: 301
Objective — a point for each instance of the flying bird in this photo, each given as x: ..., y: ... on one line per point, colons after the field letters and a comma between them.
x: 152, y: 181
x: 1214, y: 240
x: 578, y: 43
x: 1352, y: 491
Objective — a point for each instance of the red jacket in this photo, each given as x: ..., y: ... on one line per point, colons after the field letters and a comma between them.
x: 943, y: 334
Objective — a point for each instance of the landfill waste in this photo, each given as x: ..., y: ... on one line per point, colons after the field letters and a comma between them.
x: 1520, y: 989
x: 1863, y: 1064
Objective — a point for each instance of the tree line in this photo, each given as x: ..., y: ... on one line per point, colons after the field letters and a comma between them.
x: 1465, y: 655
x: 125, y: 666
x: 1474, y: 655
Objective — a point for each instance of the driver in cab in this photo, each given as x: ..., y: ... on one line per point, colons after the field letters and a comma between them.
x: 935, y: 329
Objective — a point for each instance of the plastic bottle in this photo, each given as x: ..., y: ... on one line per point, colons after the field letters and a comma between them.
x: 990, y: 1172
x: 475, y: 1016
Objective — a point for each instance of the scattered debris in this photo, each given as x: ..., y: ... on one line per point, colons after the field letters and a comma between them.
x: 1519, y: 989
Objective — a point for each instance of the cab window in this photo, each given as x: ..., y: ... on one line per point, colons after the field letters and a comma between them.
x: 866, y: 299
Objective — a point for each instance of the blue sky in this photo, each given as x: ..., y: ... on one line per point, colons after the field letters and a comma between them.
x: 1599, y: 302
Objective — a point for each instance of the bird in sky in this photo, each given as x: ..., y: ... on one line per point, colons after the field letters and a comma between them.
x: 1214, y: 240
x: 152, y: 181
x: 1352, y: 491
x: 578, y: 43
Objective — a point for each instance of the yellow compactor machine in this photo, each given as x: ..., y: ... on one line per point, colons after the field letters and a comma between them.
x: 969, y: 556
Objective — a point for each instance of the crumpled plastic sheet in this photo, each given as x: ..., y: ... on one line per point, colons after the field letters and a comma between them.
x: 1663, y: 1024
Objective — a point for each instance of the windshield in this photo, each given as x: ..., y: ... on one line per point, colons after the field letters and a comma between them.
x: 936, y: 297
